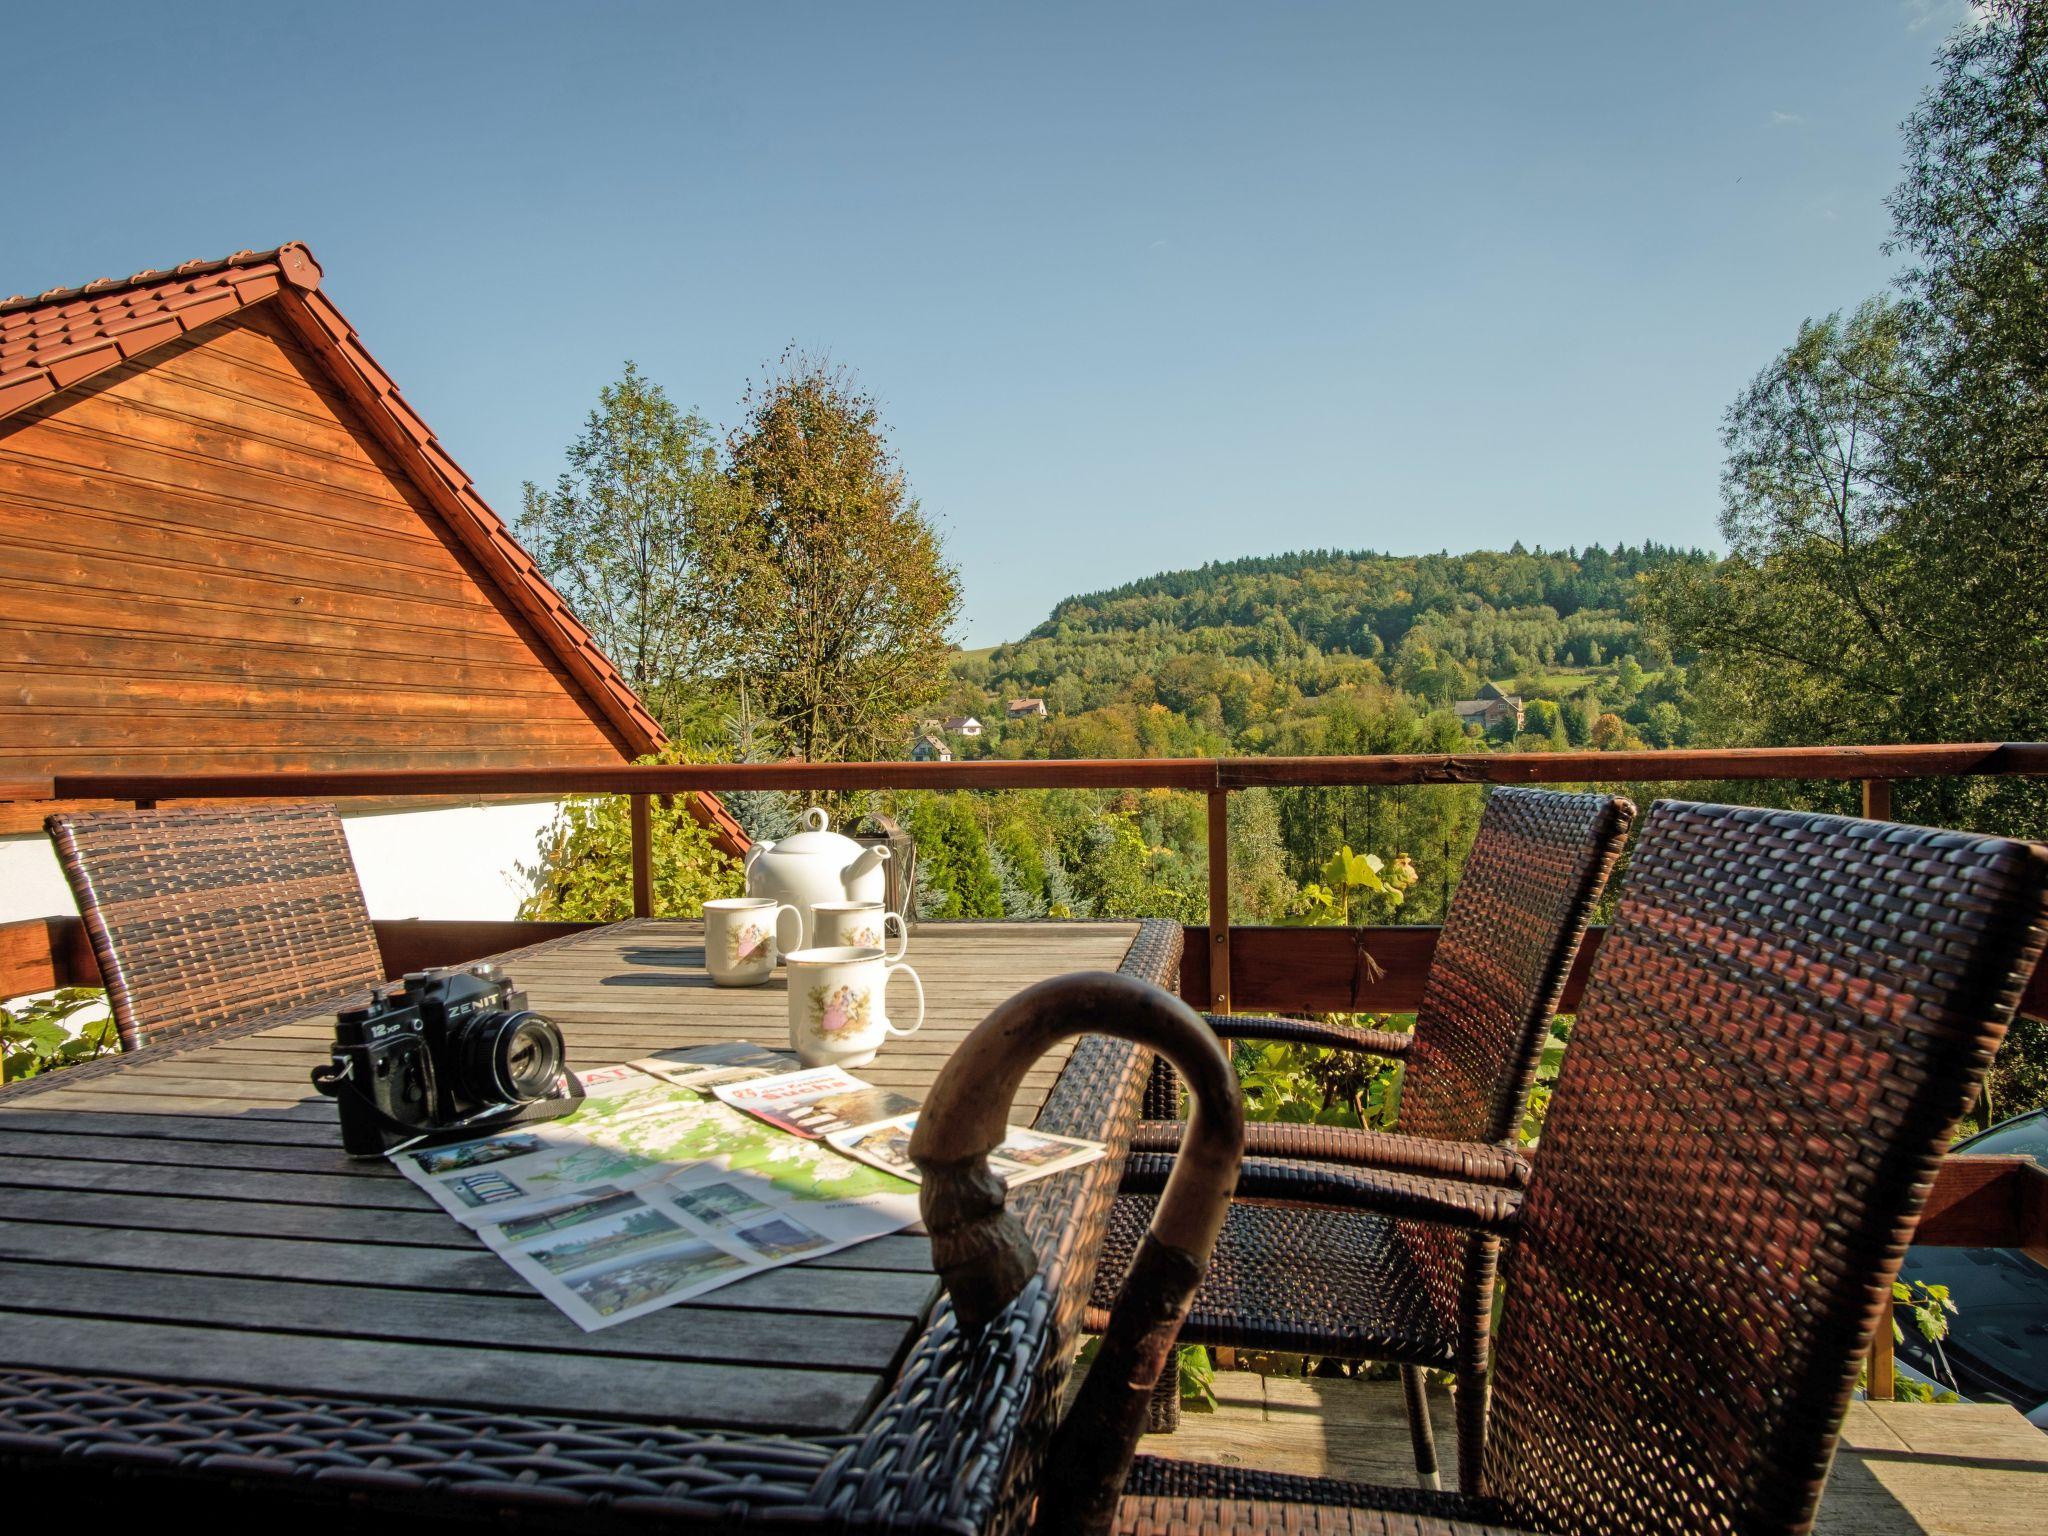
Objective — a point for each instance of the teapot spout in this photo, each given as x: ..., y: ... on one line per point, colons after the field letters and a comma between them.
x: 755, y: 850
x: 871, y: 858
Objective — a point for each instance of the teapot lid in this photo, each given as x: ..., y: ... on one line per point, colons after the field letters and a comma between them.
x: 817, y: 837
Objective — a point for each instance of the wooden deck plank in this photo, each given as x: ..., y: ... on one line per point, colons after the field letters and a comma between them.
x: 193, y: 1217
x: 1904, y: 1469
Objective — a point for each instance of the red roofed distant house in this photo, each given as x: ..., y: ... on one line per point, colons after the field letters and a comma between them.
x: 227, y: 542
x: 1494, y: 710
x: 1026, y: 709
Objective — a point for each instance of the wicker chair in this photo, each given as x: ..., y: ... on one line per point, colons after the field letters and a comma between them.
x: 1788, y: 1016
x: 204, y: 918
x: 1357, y: 1285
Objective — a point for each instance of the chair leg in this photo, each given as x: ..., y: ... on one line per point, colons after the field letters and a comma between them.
x: 1415, y: 1388
x: 1163, y: 1417
x: 1473, y: 1388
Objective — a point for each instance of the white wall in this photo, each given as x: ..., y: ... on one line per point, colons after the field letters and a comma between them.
x: 457, y: 863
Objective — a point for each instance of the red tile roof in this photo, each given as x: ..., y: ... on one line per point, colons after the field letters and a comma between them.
x: 62, y: 337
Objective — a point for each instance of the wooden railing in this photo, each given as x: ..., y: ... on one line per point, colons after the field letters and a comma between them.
x: 1977, y: 1202
x: 1216, y: 958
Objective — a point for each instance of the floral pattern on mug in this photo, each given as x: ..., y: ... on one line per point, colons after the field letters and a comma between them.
x: 865, y: 938
x: 746, y: 944
x: 834, y: 1010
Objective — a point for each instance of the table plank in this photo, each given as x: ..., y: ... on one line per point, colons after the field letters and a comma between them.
x: 658, y: 1391
x: 191, y: 1216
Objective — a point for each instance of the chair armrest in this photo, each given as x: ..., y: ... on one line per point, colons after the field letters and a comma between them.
x: 1412, y: 1196
x: 1468, y: 1162
x: 1342, y: 1037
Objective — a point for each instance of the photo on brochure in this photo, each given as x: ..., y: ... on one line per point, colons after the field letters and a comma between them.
x: 816, y: 1102
x: 653, y: 1279
x: 1021, y: 1156
x: 729, y: 1061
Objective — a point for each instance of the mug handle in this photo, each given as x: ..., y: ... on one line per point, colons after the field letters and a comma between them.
x: 889, y: 972
x: 781, y: 948
x: 902, y: 933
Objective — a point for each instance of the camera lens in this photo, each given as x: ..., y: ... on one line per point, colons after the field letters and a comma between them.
x: 508, y: 1058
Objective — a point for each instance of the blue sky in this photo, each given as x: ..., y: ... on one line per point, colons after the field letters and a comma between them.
x: 1138, y: 286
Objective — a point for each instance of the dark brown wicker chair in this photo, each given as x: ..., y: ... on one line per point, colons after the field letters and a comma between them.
x: 1788, y: 1016
x: 203, y: 918
x: 1357, y: 1285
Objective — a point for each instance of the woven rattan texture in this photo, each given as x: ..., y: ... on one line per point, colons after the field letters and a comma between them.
x: 956, y: 1445
x: 1341, y: 1037
x: 1786, y: 1019
x: 1299, y: 1281
x: 1176, y: 1498
x: 1538, y: 864
x: 203, y: 918
x: 1345, y: 1144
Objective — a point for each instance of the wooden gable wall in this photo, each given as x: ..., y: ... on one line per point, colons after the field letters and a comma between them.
x: 208, y: 562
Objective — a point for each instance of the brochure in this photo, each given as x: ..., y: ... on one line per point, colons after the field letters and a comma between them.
x: 653, y: 1190
x: 815, y: 1102
x: 1022, y: 1156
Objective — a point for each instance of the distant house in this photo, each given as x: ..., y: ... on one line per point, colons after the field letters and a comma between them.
x: 928, y: 748
x: 963, y: 725
x: 230, y: 544
x: 1027, y: 709
x: 1493, y: 710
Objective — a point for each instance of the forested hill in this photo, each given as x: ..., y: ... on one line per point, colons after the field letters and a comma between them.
x: 1362, y: 602
x: 1263, y: 654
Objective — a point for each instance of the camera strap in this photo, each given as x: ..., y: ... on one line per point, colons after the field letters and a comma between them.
x: 336, y: 1081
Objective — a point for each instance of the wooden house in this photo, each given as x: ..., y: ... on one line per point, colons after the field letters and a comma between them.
x: 227, y: 542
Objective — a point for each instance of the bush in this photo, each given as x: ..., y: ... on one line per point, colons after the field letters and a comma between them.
x: 35, y: 1037
x: 583, y: 863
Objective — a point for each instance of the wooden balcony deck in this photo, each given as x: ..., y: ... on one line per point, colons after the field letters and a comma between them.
x: 1905, y: 1469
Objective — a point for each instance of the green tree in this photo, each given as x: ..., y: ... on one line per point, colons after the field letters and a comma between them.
x: 834, y: 585
x: 1805, y: 630
x: 957, y: 876
x: 620, y: 534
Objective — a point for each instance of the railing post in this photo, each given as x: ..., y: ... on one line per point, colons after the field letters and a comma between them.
x: 1880, y: 1382
x: 643, y: 858
x: 1219, y: 900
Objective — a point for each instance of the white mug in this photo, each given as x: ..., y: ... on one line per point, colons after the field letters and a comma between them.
x: 857, y: 925
x: 741, y: 938
x: 836, y: 1014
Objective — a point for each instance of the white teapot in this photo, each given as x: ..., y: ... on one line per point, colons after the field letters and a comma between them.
x: 816, y: 865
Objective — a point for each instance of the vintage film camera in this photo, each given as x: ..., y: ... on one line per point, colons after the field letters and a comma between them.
x: 448, y: 1051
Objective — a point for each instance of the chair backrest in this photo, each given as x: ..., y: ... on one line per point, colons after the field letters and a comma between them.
x: 1788, y: 1016
x: 203, y: 918
x: 1536, y: 868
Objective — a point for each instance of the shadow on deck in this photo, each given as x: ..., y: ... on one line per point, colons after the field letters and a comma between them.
x: 1919, y: 1468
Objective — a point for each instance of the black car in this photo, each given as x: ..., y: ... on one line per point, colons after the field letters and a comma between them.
x: 1997, y: 1347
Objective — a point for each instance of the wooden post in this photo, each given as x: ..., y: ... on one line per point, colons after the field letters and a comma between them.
x: 1219, y: 901
x: 1881, y: 1384
x: 643, y: 858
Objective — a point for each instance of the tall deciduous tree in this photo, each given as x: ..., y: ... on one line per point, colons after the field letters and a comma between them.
x: 621, y: 533
x: 1887, y: 489
x: 1805, y: 629
x: 834, y: 585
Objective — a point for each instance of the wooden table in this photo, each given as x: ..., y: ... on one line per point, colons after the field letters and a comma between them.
x: 188, y: 1217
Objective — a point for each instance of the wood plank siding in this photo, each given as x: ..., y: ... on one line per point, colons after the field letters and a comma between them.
x: 210, y: 562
